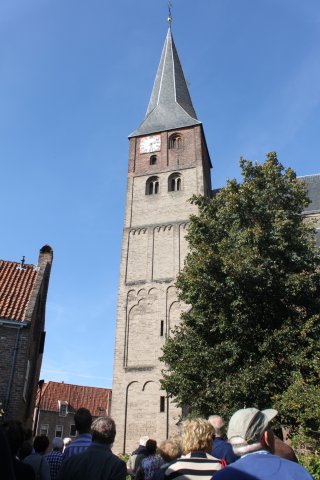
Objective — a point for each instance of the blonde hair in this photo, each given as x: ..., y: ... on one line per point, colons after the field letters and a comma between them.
x: 197, y: 434
x: 170, y: 449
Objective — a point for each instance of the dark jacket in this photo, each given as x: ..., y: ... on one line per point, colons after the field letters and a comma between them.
x: 223, y: 450
x: 97, y: 462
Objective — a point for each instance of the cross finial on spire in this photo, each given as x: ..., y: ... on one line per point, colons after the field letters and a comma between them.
x: 169, y: 13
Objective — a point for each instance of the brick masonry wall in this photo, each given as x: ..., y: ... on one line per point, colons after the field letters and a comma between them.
x: 53, y: 419
x: 12, y: 339
x: 26, y: 337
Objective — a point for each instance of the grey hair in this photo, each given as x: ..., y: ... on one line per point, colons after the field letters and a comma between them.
x: 57, y: 443
x: 218, y: 424
x: 103, y: 430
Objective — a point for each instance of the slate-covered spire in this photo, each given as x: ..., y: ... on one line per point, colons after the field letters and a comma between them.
x: 170, y: 105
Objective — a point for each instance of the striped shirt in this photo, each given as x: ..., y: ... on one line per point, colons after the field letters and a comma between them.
x: 79, y: 445
x: 194, y: 466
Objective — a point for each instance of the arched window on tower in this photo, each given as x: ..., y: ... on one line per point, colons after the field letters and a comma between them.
x: 153, y: 159
x: 175, y: 141
x: 152, y: 186
x: 175, y: 182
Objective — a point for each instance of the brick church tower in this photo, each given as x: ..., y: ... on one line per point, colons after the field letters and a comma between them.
x: 168, y: 163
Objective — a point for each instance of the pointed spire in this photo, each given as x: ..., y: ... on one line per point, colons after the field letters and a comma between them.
x: 170, y: 104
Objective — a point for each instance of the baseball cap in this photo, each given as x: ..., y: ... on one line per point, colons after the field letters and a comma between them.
x: 249, y: 423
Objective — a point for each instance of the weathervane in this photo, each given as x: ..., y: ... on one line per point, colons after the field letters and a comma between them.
x: 169, y: 15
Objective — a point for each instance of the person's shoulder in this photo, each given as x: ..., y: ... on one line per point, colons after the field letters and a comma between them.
x: 294, y: 467
x: 118, y: 460
x: 23, y: 471
x: 230, y: 473
x: 71, y: 459
x: 220, y: 443
x: 32, y: 459
x: 118, y: 464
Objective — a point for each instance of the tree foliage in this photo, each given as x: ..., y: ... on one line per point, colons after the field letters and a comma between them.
x: 252, y: 277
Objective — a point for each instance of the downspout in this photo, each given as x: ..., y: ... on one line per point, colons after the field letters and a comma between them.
x: 13, y: 364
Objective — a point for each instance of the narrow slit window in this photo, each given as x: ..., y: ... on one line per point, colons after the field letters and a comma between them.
x: 153, y: 159
x: 161, y: 328
x: 162, y: 404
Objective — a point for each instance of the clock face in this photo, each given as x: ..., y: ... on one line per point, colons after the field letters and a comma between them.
x: 150, y: 144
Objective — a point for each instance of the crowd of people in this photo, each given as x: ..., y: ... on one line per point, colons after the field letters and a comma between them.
x: 204, y: 450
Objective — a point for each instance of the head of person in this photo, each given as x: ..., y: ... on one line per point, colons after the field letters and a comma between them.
x: 103, y: 430
x: 249, y: 430
x: 57, y: 444
x: 143, y: 440
x: 83, y: 420
x: 197, y: 434
x: 151, y: 447
x: 170, y: 449
x: 25, y: 450
x: 218, y: 424
x: 41, y: 444
x: 66, y: 442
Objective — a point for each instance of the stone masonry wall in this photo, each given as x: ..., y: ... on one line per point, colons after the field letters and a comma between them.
x: 153, y: 252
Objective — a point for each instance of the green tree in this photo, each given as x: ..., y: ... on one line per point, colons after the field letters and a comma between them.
x: 252, y: 278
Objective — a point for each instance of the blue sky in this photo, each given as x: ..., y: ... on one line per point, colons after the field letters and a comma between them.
x: 75, y: 80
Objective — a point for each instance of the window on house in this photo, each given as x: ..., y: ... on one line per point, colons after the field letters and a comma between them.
x: 175, y: 141
x: 59, y: 431
x: 175, y: 182
x: 63, y: 408
x: 73, y: 431
x: 153, y: 159
x: 44, y: 430
x: 152, y: 186
x: 162, y: 404
x: 26, y: 382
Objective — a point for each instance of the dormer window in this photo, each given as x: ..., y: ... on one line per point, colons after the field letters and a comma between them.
x: 152, y: 186
x: 153, y: 159
x: 175, y: 182
x: 175, y: 141
x: 63, y: 408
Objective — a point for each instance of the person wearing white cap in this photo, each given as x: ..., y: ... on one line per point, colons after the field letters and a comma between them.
x: 137, y: 456
x: 252, y: 439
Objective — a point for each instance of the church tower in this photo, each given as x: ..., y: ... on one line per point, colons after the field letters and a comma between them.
x: 168, y: 163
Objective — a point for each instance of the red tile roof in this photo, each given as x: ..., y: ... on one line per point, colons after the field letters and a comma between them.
x: 16, y: 286
x: 97, y: 400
